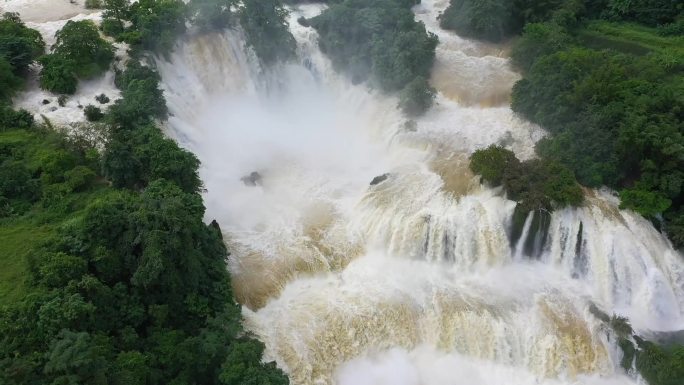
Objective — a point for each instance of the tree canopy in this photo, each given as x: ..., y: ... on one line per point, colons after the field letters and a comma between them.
x: 380, y: 41
x: 125, y: 283
x: 78, y: 53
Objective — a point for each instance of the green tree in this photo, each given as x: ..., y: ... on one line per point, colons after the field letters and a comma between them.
x: 265, y: 25
x: 80, y: 42
x: 417, y: 97
x: 485, y: 19
x: 492, y: 162
x: 157, y: 23
x: 78, y: 358
x: 212, y: 14
x: 537, y: 40
x: 645, y: 202
x: 58, y: 75
x: 58, y: 269
x: 9, y: 82
x: 243, y: 366
x: 19, y: 45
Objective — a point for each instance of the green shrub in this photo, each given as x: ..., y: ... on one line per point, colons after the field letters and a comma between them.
x: 156, y: 24
x: 19, y: 45
x: 93, y: 4
x: 92, y: 113
x: 645, y: 202
x: 534, y: 184
x: 112, y: 27
x: 212, y: 14
x: 492, y: 162
x: 79, y: 178
x: 80, y: 43
x: 102, y: 99
x: 266, y: 29
x: 484, y: 19
x: 58, y: 75
x: 660, y: 366
x: 9, y: 82
x: 417, y: 97
x: 537, y: 40
x: 13, y: 119
x: 382, y: 42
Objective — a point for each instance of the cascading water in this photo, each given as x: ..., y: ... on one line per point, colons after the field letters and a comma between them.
x: 411, y: 280
x: 415, y: 279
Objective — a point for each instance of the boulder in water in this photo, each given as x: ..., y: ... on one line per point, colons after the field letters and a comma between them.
x: 253, y: 179
x: 410, y: 126
x: 379, y: 179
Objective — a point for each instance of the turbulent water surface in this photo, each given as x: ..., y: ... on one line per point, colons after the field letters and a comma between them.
x: 412, y: 280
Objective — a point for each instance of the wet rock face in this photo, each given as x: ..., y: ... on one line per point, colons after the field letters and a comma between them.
x: 379, y: 179
x: 253, y: 179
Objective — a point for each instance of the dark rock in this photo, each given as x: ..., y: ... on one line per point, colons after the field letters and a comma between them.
x: 533, y: 244
x: 214, y: 225
x: 379, y: 179
x: 303, y: 22
x: 252, y: 179
x: 410, y: 126
x: 45, y: 101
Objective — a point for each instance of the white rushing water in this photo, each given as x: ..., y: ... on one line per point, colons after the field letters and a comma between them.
x: 412, y: 280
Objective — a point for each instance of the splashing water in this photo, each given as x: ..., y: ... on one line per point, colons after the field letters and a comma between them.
x: 412, y: 280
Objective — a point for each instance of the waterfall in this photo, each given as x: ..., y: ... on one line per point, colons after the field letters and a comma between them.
x: 346, y: 281
x: 417, y: 278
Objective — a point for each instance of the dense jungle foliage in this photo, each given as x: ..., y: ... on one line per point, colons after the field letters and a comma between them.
x: 110, y: 275
x: 154, y: 25
x: 535, y: 184
x: 605, y: 78
x: 380, y: 41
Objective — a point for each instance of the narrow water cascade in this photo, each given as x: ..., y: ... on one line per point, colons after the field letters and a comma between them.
x: 347, y: 281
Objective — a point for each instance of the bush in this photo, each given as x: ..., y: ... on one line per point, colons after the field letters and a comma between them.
x: 93, y: 4
x: 645, y: 202
x: 266, y: 29
x: 19, y: 45
x: 92, y: 113
x: 13, y: 119
x: 212, y: 14
x: 112, y: 27
x: 79, y: 178
x: 539, y: 39
x: 492, y: 162
x: 58, y: 75
x: 142, y: 101
x: 80, y: 43
x: 659, y: 365
x: 534, y: 184
x: 156, y: 24
x: 62, y: 100
x: 14, y: 178
x: 102, y: 99
x: 380, y: 41
x: 417, y: 97
x: 649, y: 12
x: 496, y: 20
x: 9, y: 82
x: 483, y: 19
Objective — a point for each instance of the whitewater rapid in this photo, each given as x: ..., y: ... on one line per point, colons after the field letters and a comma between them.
x: 412, y: 280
